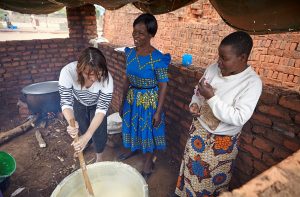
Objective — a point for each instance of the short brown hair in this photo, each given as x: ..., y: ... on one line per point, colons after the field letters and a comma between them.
x: 93, y: 59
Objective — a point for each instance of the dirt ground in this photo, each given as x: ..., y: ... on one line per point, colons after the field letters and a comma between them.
x: 40, y: 170
x: 10, y: 35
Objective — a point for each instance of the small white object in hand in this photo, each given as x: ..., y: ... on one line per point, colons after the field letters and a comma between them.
x: 206, y: 81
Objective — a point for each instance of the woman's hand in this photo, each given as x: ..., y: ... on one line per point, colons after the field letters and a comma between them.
x: 156, y: 119
x: 205, y: 89
x: 73, y: 131
x: 196, y: 91
x: 195, y: 110
x: 81, y: 143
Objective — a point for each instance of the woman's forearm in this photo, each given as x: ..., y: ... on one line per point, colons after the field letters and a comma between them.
x: 68, y: 114
x: 162, y: 95
x: 125, y: 89
x: 96, y: 121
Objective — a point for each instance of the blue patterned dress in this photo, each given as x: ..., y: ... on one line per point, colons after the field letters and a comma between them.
x: 144, y: 73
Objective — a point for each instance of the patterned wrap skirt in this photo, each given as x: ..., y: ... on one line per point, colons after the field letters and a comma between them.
x: 207, y: 165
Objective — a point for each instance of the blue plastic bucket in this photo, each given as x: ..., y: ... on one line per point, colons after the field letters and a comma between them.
x: 187, y: 59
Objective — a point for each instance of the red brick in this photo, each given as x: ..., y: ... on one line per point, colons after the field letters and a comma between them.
x: 262, y: 119
x: 288, y: 130
x: 172, y: 116
x: 274, y: 111
x: 269, y: 160
x: 263, y: 144
x: 293, y: 46
x: 290, y: 78
x: 297, y: 118
x: 269, y: 97
x: 259, y: 166
x: 297, y: 71
x: 247, y: 127
x: 252, y: 150
x: 297, y: 64
x: 246, y: 158
x: 296, y: 54
x: 248, y: 138
x: 279, y: 153
x: 274, y: 136
x: 291, y: 144
x: 260, y: 130
x: 244, y: 167
x: 292, y: 102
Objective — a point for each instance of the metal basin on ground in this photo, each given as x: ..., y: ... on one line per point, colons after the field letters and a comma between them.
x: 108, y: 179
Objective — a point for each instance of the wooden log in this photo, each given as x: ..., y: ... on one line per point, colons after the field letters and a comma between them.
x: 8, y: 135
x: 40, y: 139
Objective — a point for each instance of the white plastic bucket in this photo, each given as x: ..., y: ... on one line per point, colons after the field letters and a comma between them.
x: 108, y: 179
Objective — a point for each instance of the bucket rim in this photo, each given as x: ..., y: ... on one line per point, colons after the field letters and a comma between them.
x: 103, y: 163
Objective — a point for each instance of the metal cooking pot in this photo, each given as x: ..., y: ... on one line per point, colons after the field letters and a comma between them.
x: 42, y: 97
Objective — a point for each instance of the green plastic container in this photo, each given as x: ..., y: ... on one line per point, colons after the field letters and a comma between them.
x: 7, y: 165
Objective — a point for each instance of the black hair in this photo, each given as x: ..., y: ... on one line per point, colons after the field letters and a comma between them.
x: 240, y: 41
x: 150, y: 22
x: 93, y: 59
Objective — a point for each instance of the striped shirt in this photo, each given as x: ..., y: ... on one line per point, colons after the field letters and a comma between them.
x: 100, y: 93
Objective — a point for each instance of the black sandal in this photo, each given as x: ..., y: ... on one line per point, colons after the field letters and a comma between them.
x: 125, y: 156
x: 147, y: 175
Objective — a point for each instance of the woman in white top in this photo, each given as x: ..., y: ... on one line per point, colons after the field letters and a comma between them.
x: 224, y: 101
x: 86, y: 89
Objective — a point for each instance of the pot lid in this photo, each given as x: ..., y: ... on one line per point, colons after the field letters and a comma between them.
x: 41, y: 88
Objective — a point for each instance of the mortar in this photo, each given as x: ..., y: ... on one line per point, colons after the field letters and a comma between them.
x: 108, y: 179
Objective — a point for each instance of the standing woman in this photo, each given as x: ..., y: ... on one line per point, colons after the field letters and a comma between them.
x: 85, y: 88
x: 144, y: 93
x: 224, y: 101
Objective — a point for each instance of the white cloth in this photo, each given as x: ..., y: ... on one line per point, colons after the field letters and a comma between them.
x: 100, y: 93
x: 234, y: 101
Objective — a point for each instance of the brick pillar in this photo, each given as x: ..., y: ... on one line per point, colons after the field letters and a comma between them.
x: 82, y: 23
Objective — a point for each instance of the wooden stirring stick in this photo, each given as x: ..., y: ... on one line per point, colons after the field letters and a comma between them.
x: 83, y: 166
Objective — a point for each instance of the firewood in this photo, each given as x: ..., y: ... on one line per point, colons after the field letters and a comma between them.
x: 40, y: 139
x: 8, y: 135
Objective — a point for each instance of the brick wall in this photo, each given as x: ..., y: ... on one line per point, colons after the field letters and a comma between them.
x: 197, y: 29
x: 280, y: 180
x: 82, y: 23
x: 271, y: 135
x: 26, y: 62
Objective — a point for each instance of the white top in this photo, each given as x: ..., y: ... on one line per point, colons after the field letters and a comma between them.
x: 234, y: 101
x: 100, y: 93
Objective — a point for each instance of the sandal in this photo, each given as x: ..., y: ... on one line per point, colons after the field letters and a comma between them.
x: 146, y: 175
x: 125, y: 156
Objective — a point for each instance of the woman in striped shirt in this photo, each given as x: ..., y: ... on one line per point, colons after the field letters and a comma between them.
x: 86, y: 88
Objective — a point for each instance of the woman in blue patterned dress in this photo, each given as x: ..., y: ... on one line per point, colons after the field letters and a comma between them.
x: 144, y: 93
